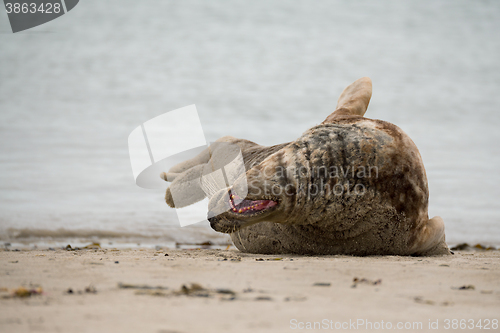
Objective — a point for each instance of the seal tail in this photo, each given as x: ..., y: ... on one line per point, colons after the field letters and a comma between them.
x: 431, y: 240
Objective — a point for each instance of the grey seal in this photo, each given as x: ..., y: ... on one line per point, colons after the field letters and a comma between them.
x: 350, y: 185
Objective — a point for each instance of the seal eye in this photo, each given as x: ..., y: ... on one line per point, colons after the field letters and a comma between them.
x: 250, y: 207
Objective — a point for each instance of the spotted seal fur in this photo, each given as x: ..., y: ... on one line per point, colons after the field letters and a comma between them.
x: 351, y: 185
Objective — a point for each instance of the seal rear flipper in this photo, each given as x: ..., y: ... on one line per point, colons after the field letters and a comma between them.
x: 431, y: 239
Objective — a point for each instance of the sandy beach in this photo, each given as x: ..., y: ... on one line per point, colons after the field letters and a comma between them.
x: 208, y: 290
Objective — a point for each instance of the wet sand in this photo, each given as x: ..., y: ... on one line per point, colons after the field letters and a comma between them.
x: 236, y: 292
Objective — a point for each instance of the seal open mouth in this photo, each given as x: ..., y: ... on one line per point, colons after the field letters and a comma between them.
x: 249, y: 207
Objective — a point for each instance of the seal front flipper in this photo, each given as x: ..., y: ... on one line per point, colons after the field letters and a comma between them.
x: 354, y: 100
x: 187, y: 186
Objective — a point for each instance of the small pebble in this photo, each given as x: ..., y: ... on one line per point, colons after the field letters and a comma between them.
x: 468, y: 287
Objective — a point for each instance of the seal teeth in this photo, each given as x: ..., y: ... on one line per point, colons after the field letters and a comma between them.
x: 231, y: 203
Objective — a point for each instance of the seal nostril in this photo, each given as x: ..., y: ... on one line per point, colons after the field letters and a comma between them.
x: 212, y: 218
x: 213, y: 222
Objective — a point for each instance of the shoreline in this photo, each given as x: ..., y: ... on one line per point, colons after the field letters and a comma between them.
x: 115, y: 290
x: 129, y: 243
